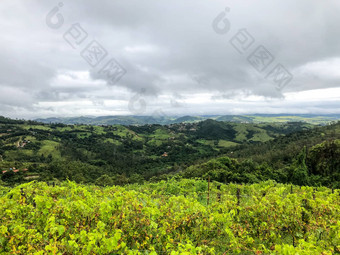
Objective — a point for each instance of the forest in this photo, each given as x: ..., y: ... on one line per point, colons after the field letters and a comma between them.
x: 292, y: 152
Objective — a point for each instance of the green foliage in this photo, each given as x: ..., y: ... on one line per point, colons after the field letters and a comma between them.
x: 169, y: 217
x: 132, y: 154
x: 300, y: 171
x: 165, y: 120
x: 104, y: 180
x: 324, y: 158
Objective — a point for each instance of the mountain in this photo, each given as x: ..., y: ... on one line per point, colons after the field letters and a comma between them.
x: 189, y: 119
x: 165, y: 120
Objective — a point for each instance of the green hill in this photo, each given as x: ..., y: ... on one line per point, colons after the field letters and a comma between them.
x: 84, y: 153
x: 166, y: 120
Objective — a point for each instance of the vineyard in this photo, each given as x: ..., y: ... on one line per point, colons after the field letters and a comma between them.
x: 169, y: 217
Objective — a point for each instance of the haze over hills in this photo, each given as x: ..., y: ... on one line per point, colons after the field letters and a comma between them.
x: 165, y: 120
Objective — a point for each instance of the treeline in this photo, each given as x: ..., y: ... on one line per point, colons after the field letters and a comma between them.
x: 4, y: 120
x: 320, y: 167
x: 280, y: 151
x: 120, y: 155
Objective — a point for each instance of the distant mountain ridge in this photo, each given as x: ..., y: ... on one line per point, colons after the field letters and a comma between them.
x: 166, y: 120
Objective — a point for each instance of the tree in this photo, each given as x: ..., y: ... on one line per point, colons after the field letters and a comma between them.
x: 300, y: 171
x: 136, y: 178
x: 120, y: 179
x: 104, y: 180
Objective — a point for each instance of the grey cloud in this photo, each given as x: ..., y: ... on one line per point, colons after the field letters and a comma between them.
x: 167, y: 49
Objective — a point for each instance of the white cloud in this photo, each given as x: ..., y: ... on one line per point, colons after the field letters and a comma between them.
x: 327, y: 69
x: 172, y: 54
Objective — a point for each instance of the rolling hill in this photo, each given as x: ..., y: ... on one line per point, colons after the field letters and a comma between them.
x: 166, y: 120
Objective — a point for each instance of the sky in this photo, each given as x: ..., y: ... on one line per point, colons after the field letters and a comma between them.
x: 157, y: 57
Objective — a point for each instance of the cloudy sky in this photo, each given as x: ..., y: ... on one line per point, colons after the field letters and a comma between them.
x: 121, y: 57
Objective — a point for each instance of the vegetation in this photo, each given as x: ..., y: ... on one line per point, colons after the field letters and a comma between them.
x: 161, y: 118
x: 84, y: 153
x: 170, y: 217
x: 209, y: 187
x: 321, y: 167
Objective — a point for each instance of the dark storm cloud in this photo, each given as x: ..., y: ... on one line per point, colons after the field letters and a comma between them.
x: 168, y: 49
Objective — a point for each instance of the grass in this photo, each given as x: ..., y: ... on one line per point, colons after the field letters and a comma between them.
x: 98, y: 130
x: 161, y: 134
x: 242, y: 132
x: 63, y: 129
x: 206, y: 142
x: 261, y: 137
x: 49, y: 147
x: 41, y: 127
x: 259, y: 134
x: 30, y: 138
x: 155, y: 142
x: 313, y: 120
x: 83, y: 135
x: 123, y: 132
x: 18, y: 154
x: 110, y: 140
x: 224, y: 143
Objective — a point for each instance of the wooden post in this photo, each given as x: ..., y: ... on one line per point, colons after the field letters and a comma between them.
x: 22, y: 192
x: 208, y: 190
x: 23, y: 195
x: 304, y: 218
x: 238, y: 194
